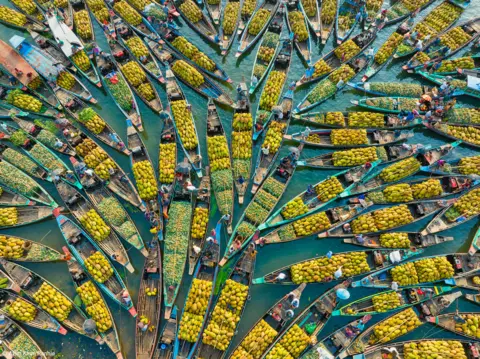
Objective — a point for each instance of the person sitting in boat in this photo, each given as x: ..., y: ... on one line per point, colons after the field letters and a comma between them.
x: 309, y: 73
x: 266, y: 150
x: 18, y: 72
x: 359, y: 238
x: 258, y: 127
x: 58, y: 144
x: 126, y: 297
x: 280, y: 277
x: 310, y: 190
x: 347, y: 228
x: 142, y: 325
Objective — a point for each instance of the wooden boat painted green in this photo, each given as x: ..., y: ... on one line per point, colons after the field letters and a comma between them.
x: 317, y: 196
x: 66, y: 15
x: 461, y: 263
x: 166, y: 162
x: 12, y: 334
x: 407, y: 297
x: 31, y: 22
x: 23, y: 162
x: 465, y: 65
x: 393, y: 104
x: 304, y: 47
x: 450, y: 321
x: 78, y: 206
x: 45, y: 110
x: 274, y: 318
x: 400, y: 10
x: 461, y: 85
x: 391, y: 89
x: 203, y: 27
x: 11, y: 198
x: 456, y: 166
x: 475, y: 246
x: 373, y: 260
x: 6, y: 112
x: 98, y: 10
x: 445, y: 130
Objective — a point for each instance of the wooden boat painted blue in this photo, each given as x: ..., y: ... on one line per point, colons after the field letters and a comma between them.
x: 449, y: 167
x: 347, y: 12
x: 406, y: 90
x: 397, y: 11
x: 304, y: 47
x: 475, y: 246
x: 9, y: 197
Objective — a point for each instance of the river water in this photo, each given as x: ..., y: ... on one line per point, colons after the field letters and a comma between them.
x: 269, y: 258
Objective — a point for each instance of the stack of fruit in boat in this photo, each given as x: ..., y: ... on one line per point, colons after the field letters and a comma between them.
x: 82, y: 23
x: 167, y: 161
x: 197, y: 19
x: 459, y: 64
x: 99, y: 11
x: 461, y: 115
x: 404, y: 8
x: 468, y: 134
x: 23, y: 162
x: 229, y: 20
x: 297, y: 24
x: 394, y: 104
x: 311, y: 11
x: 328, y: 16
x: 122, y: 10
x: 346, y: 20
x: 392, y: 89
x: 372, y: 13
x: 30, y: 8
x: 461, y: 84
x: 25, y: 250
x: 66, y: 15
x: 13, y: 18
x: 248, y: 8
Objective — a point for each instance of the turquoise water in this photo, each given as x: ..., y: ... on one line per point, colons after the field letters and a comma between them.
x: 270, y: 257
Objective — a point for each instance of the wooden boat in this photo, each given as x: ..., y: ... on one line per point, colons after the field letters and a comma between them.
x: 462, y: 86
x: 327, y: 23
x: 176, y: 237
x: 396, y: 89
x: 314, y: 199
x: 175, y: 93
x: 265, y: 161
x: 226, y: 40
x: 123, y: 57
x: 37, y: 13
x: 118, y: 88
x: 345, y: 20
x: 46, y: 66
x: 248, y: 40
x: 470, y: 348
x: 202, y: 201
x: 242, y: 167
x: 304, y: 47
x: 281, y: 64
x: 15, y: 196
x: 15, y: 338
x: 416, y: 240
x: 30, y: 282
x: 215, y: 11
x: 148, y: 63
x: 203, y: 27
x: 223, y: 190
x: 79, y: 6
x: 391, y: 104
x: 451, y: 167
x: 375, y: 260
x: 399, y: 11
x: 274, y: 187
x: 445, y: 129
x: 78, y: 206
x: 462, y: 264
x: 45, y: 109
x: 407, y: 297
x: 81, y: 278
x: 432, y: 307
x: 36, y: 132
x: 165, y: 52
x: 458, y: 67
x: 272, y: 41
x: 166, y: 164
x: 475, y: 246
x: 323, y: 138
x: 438, y: 52
x: 362, y: 40
x: 66, y: 15
x: 9, y: 283
x: 98, y: 11
x: 241, y: 273
x: 6, y: 112
x: 388, y: 154
x: 50, y: 48
x: 314, y: 22
x: 165, y: 347
x: 288, y: 232
x: 311, y: 100
x: 97, y: 193
x: 149, y: 303
x: 466, y: 281
x: 276, y: 317
x: 418, y: 210
x: 70, y: 44
x: 206, y: 272
x: 31, y: 23
x: 10, y: 155
x: 35, y: 252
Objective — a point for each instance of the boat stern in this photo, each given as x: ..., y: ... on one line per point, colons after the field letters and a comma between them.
x: 62, y: 330
x: 133, y: 311
x: 260, y: 280
x: 129, y: 267
x: 472, y: 250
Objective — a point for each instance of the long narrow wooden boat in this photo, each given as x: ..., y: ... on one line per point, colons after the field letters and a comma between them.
x: 304, y: 46
x: 81, y: 281
x: 315, y: 316
x: 41, y: 155
x: 391, y: 104
x: 6, y: 112
x: 313, y: 17
x: 123, y: 57
x: 215, y: 11
x: 272, y: 322
x: 372, y: 14
x: 366, y: 262
x: 8, y: 283
x: 464, y: 65
x: 46, y: 66
x: 38, y: 133
x: 247, y: 41
x: 37, y: 12
x: 345, y: 21
x: 203, y: 26
x: 34, y: 252
x: 41, y: 319
x: 118, y: 88
x: 469, y: 348
x: 413, y: 212
x: 165, y: 348
x: 384, y: 89
x: 475, y: 245
x: 31, y: 282
x: 390, y: 300
x: 110, y: 208
x: 387, y: 154
x: 241, y: 144
x: 149, y: 303
x: 418, y: 314
x: 248, y: 9
x: 9, y: 17
x: 222, y: 184
x: 167, y: 161
x: 457, y: 323
x: 126, y: 36
x: 328, y: 14
x: 279, y: 126
x: 457, y: 264
x: 262, y: 205
x: 99, y: 11
x: 433, y: 52
x: 45, y: 110
x: 271, y: 43
x: 413, y: 239
x: 240, y: 278
x: 226, y: 39
x: 462, y: 86
x: 66, y: 15
x: 203, y: 286
x: 458, y: 132
x: 176, y: 237
x: 460, y: 166
x: 317, y: 196
x: 279, y: 70
x: 82, y: 246
x: 402, y: 9
x: 81, y: 15
x: 323, y: 138
x: 23, y: 162
x: 326, y: 88
x: 321, y: 222
x: 15, y: 338
x: 466, y: 281
x: 78, y: 206
x: 201, y: 203
x: 174, y: 94
x: 19, y: 189
x: 50, y: 48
